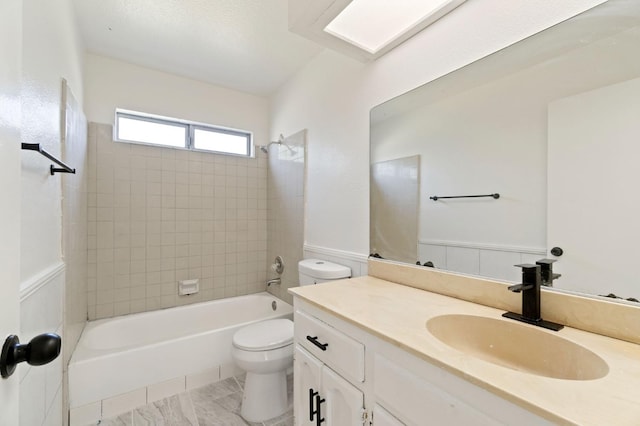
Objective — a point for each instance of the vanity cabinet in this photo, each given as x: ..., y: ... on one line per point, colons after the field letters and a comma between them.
x: 321, y: 395
x: 347, y: 376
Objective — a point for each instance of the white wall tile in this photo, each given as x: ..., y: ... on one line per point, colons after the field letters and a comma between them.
x: 500, y: 265
x: 434, y: 253
x: 124, y: 402
x: 202, y: 379
x: 86, y: 414
x: 465, y: 260
x: 230, y: 370
x: 165, y: 389
x: 285, y: 209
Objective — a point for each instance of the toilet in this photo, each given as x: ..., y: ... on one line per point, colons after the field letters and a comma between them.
x: 265, y: 351
x: 316, y: 271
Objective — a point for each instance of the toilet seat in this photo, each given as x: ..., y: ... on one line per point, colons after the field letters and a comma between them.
x: 264, y: 335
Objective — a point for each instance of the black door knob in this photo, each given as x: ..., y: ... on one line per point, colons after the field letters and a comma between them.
x: 41, y: 350
x: 557, y: 251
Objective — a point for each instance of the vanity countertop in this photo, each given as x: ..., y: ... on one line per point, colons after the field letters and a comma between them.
x: 398, y: 314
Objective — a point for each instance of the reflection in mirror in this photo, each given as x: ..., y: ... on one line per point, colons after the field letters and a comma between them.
x: 395, y: 191
x: 551, y: 124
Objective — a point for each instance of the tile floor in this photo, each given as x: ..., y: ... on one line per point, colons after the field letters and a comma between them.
x: 217, y: 404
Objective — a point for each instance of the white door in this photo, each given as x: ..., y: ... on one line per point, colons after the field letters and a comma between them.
x: 10, y: 54
x: 593, y: 199
x: 306, y: 386
x: 343, y: 404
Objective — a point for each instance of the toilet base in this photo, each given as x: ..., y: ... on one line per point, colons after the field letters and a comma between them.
x: 264, y: 397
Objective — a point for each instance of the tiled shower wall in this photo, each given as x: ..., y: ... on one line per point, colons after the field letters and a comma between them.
x: 285, y: 225
x: 74, y: 220
x: 160, y: 215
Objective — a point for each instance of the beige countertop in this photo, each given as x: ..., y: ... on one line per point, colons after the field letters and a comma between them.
x: 398, y: 315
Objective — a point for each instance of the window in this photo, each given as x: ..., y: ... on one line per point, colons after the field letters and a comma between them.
x: 136, y: 127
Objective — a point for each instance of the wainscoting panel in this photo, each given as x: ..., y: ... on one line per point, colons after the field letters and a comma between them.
x: 490, y: 261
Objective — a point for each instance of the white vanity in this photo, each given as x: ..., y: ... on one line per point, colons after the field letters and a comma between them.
x: 364, y: 355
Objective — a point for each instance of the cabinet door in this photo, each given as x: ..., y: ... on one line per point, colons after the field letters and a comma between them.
x: 343, y: 403
x: 306, y: 383
x: 382, y: 417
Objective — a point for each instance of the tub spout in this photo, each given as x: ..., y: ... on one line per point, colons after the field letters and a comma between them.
x: 273, y: 281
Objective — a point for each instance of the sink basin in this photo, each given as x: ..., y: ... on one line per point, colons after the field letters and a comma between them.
x: 518, y: 347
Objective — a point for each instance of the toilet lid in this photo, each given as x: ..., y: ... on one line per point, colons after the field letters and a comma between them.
x: 264, y: 335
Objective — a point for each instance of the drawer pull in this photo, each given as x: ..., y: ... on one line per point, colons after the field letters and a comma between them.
x: 314, y: 340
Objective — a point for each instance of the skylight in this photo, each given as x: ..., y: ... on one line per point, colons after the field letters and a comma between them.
x: 373, y: 24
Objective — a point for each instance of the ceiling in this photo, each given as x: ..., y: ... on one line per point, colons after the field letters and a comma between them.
x: 239, y: 44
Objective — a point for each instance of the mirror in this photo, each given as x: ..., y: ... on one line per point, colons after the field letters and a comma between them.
x: 551, y: 125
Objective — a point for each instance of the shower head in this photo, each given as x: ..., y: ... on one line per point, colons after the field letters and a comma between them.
x: 280, y: 141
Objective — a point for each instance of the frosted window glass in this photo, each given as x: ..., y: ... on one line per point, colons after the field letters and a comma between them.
x: 138, y: 127
x: 152, y: 132
x: 232, y: 143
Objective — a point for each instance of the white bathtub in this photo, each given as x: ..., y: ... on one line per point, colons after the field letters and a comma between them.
x: 123, y: 354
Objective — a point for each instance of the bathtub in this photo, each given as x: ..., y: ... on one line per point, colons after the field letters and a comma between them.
x: 118, y: 355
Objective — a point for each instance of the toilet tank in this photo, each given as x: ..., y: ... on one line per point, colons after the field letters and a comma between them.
x: 315, y: 271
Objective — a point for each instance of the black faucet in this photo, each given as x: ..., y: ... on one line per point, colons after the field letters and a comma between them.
x: 530, y: 289
x: 546, y: 271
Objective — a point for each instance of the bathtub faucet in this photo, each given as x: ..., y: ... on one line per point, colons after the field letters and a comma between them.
x: 273, y: 281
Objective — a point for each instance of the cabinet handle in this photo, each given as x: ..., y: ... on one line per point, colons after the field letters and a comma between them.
x: 314, y: 340
x: 312, y: 394
x: 319, y: 401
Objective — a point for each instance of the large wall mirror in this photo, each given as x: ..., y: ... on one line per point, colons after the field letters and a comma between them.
x: 552, y: 125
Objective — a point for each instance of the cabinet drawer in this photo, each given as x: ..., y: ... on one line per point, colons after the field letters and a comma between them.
x: 339, y: 351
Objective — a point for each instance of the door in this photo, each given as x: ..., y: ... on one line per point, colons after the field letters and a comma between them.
x: 589, y: 133
x: 10, y: 54
x: 344, y: 403
x: 306, y: 385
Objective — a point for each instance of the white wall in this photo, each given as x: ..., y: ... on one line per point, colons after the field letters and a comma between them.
x: 332, y: 96
x: 596, y: 132
x: 52, y: 50
x: 112, y: 84
x: 491, y: 139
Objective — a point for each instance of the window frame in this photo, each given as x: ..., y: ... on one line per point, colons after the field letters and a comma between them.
x: 190, y: 128
x: 224, y: 130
